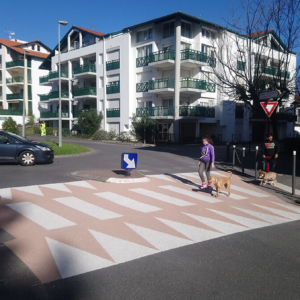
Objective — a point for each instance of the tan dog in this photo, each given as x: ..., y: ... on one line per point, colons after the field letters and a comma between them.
x: 267, y: 176
x: 220, y: 182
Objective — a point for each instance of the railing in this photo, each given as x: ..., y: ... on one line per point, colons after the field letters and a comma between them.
x: 44, y: 97
x: 54, y: 114
x: 112, y: 65
x: 192, y: 83
x: 76, y: 113
x: 113, y: 112
x: 17, y: 79
x: 55, y: 94
x: 194, y: 55
x: 273, y: 71
x: 241, y: 65
x: 165, y: 137
x: 17, y: 96
x: 157, y: 111
x: 142, y: 61
x: 18, y: 63
x: 113, y: 87
x: 163, y: 83
x: 11, y: 112
x: 210, y: 87
x: 44, y: 79
x: 85, y: 92
x: 54, y: 74
x: 142, y: 87
x: 161, y: 55
x: 84, y: 68
x: 196, y: 111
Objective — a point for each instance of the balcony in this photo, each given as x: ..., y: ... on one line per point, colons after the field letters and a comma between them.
x: 157, y: 111
x: 19, y: 80
x: 17, y: 64
x: 272, y: 71
x: 142, y: 87
x: 55, y: 94
x: 86, y: 70
x: 88, y: 92
x: 54, y: 75
x: 44, y: 80
x: 54, y: 114
x: 241, y: 65
x: 44, y: 97
x: 142, y: 61
x: 18, y: 96
x: 113, y: 112
x: 193, y: 58
x: 164, y: 85
x: 162, y: 58
x: 11, y: 112
x: 113, y: 65
x: 192, y: 86
x: 197, y: 111
x: 210, y: 87
x: 113, y: 87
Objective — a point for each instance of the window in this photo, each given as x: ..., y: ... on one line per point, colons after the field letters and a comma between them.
x: 207, y: 76
x: 186, y: 29
x: 148, y: 104
x: 144, y: 51
x: 210, y: 51
x: 144, y: 35
x: 208, y: 34
x: 38, y: 48
x: 167, y: 102
x: 32, y: 47
x: 185, y: 46
x: 169, y: 29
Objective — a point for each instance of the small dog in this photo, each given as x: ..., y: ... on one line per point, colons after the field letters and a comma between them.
x: 219, y: 182
x: 267, y: 176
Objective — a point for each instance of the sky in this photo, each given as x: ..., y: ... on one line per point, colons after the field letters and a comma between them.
x: 37, y: 19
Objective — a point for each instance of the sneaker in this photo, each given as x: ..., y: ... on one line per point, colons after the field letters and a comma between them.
x: 203, y: 186
x: 209, y: 186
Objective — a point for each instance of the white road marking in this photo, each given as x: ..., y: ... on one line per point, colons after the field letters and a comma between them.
x: 40, y: 216
x: 289, y: 206
x: 162, y: 177
x: 233, y: 196
x: 57, y: 186
x: 194, y: 233
x: 88, y: 208
x: 224, y: 227
x: 161, y: 241
x: 217, y: 174
x: 81, y: 184
x: 196, y: 195
x: 33, y: 189
x: 280, y: 212
x: 247, y: 191
x: 121, y: 250
x: 251, y: 223
x: 161, y: 197
x: 127, y: 202
x: 71, y: 261
x: 5, y: 193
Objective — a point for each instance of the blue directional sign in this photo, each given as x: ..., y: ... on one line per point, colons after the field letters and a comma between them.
x: 129, y: 161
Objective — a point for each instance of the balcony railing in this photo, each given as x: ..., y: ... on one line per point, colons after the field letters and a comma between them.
x: 18, y: 63
x: 196, y: 111
x: 241, y: 65
x: 44, y: 97
x: 18, y: 79
x: 142, y: 61
x: 273, y: 71
x: 63, y: 74
x: 11, y: 112
x: 163, y: 83
x: 88, y: 91
x: 54, y: 114
x: 17, y: 96
x: 44, y: 79
x: 55, y: 94
x: 113, y: 112
x: 142, y: 87
x: 77, y: 112
x: 157, y: 111
x: 112, y: 65
x: 84, y: 69
x: 161, y: 55
x: 194, y: 55
x: 210, y: 87
x: 113, y: 87
x: 192, y: 83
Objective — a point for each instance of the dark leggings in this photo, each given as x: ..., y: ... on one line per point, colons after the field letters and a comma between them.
x: 204, y: 166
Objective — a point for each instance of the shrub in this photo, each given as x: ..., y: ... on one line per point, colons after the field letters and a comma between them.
x: 89, y: 121
x: 138, y: 126
x: 101, y: 135
x: 31, y: 120
x: 124, y: 137
x: 10, y: 125
x: 112, y: 134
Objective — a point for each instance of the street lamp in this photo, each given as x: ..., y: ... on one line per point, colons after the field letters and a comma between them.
x: 24, y: 92
x: 64, y: 23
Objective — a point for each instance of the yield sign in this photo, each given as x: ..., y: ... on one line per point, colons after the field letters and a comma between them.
x: 269, y: 107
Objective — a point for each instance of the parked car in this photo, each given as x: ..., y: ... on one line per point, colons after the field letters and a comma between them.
x: 14, y: 148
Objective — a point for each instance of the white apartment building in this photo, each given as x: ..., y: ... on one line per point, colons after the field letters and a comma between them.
x: 162, y: 68
x: 12, y: 79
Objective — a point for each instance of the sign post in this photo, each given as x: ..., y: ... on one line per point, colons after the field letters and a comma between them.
x: 129, y: 162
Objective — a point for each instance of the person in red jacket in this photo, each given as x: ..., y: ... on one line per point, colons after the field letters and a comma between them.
x: 270, y: 151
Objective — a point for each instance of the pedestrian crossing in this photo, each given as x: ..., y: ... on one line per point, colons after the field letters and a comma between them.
x: 83, y: 226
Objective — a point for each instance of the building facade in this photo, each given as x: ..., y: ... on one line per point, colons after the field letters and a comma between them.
x: 163, y: 68
x: 19, y: 78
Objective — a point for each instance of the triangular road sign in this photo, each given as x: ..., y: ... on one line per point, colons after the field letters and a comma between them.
x: 269, y: 107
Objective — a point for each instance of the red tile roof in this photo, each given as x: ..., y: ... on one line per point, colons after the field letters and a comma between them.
x: 255, y: 34
x: 15, y: 47
x: 90, y: 31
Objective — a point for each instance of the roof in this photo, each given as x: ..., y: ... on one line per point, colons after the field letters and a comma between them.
x: 15, y: 46
x: 97, y: 33
x: 40, y: 43
x: 255, y: 34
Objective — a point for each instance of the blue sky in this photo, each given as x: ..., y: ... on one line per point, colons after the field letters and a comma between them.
x: 37, y: 20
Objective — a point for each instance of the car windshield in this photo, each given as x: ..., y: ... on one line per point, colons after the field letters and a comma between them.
x: 17, y: 136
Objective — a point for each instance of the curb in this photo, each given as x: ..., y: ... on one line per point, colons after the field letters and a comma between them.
x: 92, y: 151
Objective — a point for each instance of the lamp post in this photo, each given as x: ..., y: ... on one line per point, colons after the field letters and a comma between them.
x: 24, y: 92
x: 64, y: 23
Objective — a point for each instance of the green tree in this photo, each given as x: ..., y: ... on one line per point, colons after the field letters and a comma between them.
x: 144, y: 128
x: 10, y: 125
x: 31, y: 120
x: 89, y: 121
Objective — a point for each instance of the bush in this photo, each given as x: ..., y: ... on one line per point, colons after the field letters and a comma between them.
x: 101, y: 135
x: 89, y: 122
x: 31, y: 120
x: 138, y: 126
x: 112, y: 134
x: 124, y: 137
x: 10, y: 125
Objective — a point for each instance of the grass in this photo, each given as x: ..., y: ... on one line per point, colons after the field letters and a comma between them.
x: 66, y: 149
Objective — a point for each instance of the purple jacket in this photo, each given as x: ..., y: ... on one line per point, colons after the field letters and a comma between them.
x: 207, y: 153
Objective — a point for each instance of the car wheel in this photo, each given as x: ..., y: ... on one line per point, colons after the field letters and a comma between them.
x: 27, y: 158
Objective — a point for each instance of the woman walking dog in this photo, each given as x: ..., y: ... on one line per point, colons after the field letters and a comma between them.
x: 206, y: 160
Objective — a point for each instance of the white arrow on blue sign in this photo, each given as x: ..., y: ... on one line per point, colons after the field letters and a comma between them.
x: 129, y: 161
